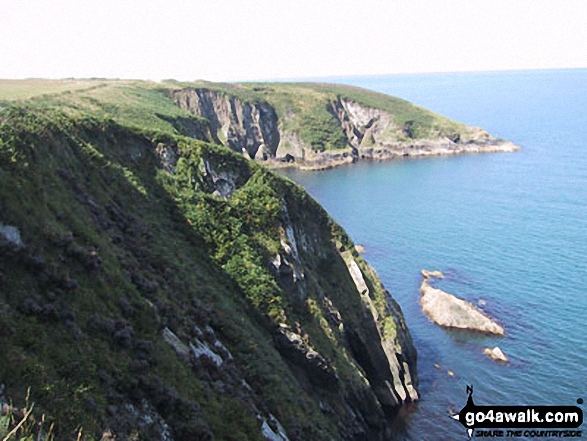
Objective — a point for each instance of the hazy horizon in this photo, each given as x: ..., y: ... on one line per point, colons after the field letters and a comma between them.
x: 297, y: 79
x: 263, y: 40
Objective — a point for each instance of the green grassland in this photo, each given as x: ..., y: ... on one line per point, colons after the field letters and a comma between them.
x: 117, y: 249
x: 301, y: 107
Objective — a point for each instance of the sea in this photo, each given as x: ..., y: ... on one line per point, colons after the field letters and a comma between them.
x: 508, y: 230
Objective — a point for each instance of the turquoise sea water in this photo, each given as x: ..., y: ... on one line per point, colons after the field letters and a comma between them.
x: 510, y: 229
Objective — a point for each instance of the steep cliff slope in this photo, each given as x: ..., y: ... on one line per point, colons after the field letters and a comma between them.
x: 167, y: 288
x: 315, y: 126
x: 305, y: 125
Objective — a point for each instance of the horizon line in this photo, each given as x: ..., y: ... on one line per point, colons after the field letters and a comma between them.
x: 298, y: 79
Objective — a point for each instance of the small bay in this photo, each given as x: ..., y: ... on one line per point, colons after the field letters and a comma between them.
x: 508, y: 229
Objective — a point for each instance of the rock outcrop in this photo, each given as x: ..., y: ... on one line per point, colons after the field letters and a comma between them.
x: 260, y: 132
x: 10, y: 234
x: 248, y: 128
x: 176, y: 290
x: 496, y: 354
x: 449, y: 311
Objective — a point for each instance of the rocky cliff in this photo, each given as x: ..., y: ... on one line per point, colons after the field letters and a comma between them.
x: 250, y: 128
x: 317, y: 126
x: 157, y: 287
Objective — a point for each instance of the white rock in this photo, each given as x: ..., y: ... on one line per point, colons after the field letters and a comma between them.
x: 175, y: 342
x: 496, y: 354
x: 447, y: 310
x: 268, y: 432
x: 357, y: 276
x: 198, y: 348
x: 11, y: 234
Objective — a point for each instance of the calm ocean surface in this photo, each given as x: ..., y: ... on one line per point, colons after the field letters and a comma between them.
x: 510, y: 229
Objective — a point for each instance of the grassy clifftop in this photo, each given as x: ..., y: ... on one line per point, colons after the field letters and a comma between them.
x: 305, y: 125
x: 163, y: 287
x: 138, y: 102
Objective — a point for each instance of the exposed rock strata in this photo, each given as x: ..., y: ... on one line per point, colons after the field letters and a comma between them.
x: 391, y: 371
x: 196, y: 294
x: 255, y: 130
x: 249, y: 128
x: 449, y: 311
x: 387, y: 359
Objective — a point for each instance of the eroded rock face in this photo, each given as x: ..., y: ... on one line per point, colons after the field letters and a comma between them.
x: 254, y: 129
x: 357, y: 313
x: 391, y: 365
x: 449, y: 311
x: 242, y: 126
x: 221, y: 183
x: 287, y: 263
x: 295, y: 349
x: 364, y: 125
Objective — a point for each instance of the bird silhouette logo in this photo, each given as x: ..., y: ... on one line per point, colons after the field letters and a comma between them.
x: 469, y: 407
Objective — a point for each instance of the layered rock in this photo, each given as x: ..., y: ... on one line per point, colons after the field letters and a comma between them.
x: 248, y: 128
x: 365, y: 319
x: 202, y: 295
x: 449, y: 311
x: 256, y: 130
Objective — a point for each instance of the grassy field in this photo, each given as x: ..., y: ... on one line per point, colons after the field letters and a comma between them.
x: 24, y: 89
x: 302, y: 108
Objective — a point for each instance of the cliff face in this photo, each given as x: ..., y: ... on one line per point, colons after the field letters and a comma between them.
x: 362, y: 131
x: 250, y: 128
x: 167, y: 288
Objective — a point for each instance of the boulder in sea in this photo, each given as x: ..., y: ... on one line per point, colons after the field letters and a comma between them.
x: 496, y: 354
x: 449, y: 311
x: 428, y: 274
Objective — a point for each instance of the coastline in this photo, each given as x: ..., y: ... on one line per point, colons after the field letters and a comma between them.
x: 320, y: 161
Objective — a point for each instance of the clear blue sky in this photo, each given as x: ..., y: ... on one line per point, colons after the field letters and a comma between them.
x: 262, y: 39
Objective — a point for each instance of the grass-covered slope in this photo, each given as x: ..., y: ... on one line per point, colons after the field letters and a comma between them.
x: 139, y: 104
x: 308, y: 125
x: 302, y: 107
x: 305, y: 109
x: 166, y: 288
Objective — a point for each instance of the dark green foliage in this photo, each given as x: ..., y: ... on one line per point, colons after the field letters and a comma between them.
x: 130, y: 228
x: 320, y: 128
x: 64, y: 183
x: 116, y: 250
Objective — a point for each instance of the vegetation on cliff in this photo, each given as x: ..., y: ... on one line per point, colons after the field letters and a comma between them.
x: 304, y: 124
x: 163, y: 287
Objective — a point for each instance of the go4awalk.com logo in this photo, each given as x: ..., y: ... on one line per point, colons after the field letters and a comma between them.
x: 548, y: 422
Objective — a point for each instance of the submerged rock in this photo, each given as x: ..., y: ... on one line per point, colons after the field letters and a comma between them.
x: 447, y: 310
x: 428, y: 274
x: 496, y: 354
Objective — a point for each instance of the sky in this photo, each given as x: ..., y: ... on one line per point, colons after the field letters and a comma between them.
x: 232, y: 40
